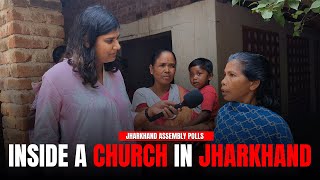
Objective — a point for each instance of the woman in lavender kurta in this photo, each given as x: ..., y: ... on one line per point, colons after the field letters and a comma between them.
x: 83, y: 99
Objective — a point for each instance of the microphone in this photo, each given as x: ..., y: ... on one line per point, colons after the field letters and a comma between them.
x: 191, y: 100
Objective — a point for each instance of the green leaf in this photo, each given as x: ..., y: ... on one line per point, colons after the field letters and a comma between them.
x: 315, y: 4
x: 297, y: 26
x: 278, y: 16
x: 268, y: 1
x: 259, y: 8
x: 296, y: 14
x: 279, y: 1
x: 253, y: 3
x: 293, y: 4
x: 306, y: 10
x: 266, y: 14
x: 277, y: 7
x: 243, y: 2
x: 261, y: 5
x: 296, y: 33
x: 234, y: 2
x: 316, y: 10
x: 296, y: 29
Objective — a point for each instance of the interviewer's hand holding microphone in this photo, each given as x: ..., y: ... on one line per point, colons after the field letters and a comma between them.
x: 165, y: 108
x: 168, y: 109
x: 161, y: 109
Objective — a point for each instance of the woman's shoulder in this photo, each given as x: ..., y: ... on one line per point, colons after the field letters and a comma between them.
x: 59, y: 70
x: 274, y: 117
x: 60, y: 75
x: 267, y: 112
x: 249, y: 108
x: 141, y: 91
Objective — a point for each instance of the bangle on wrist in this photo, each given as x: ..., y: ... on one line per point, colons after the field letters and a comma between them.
x: 147, y: 115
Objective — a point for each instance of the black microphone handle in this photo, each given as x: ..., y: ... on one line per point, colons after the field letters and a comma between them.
x: 180, y: 105
x: 155, y: 117
x: 159, y: 115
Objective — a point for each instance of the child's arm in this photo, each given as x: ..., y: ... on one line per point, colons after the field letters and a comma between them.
x: 209, y: 107
x: 204, y: 116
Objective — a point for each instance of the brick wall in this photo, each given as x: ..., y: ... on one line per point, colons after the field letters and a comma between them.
x: 125, y: 10
x: 29, y: 31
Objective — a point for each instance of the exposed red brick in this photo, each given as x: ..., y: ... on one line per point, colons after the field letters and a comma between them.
x: 3, y: 45
x: 29, y: 31
x: 4, y: 71
x: 3, y: 19
x: 37, y: 17
x: 20, y: 3
x: 42, y: 55
x: 20, y: 56
x: 4, y: 4
x: 46, y: 4
x: 9, y: 109
x: 125, y: 10
x: 3, y: 59
x: 42, y: 32
x: 59, y: 34
x: 16, y: 123
x: 36, y: 29
x: 15, y: 136
x: 56, y: 19
x: 57, y: 42
x: 27, y: 42
x: 13, y: 14
x: 17, y: 83
x: 1, y: 84
x: 18, y: 28
x: 29, y: 69
x: 17, y: 96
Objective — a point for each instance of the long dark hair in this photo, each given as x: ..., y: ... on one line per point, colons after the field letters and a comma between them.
x: 91, y: 23
x: 257, y: 67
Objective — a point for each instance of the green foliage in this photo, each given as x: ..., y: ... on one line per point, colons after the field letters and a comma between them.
x: 296, y: 12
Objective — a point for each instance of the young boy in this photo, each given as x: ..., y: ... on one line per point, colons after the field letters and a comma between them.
x: 200, y: 73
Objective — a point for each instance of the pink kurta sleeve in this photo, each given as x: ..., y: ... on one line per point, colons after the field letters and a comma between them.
x: 46, y: 129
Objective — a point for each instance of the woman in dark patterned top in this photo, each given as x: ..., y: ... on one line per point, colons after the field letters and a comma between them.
x: 248, y: 118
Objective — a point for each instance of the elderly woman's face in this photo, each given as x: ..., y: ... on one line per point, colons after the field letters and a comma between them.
x: 235, y: 86
x: 164, y: 68
x: 107, y: 47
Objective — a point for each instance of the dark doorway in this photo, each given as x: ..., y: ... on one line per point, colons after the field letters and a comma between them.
x: 317, y: 73
x: 298, y: 75
x: 136, y: 54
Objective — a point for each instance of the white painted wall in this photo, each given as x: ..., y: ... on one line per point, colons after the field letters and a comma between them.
x: 193, y: 35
